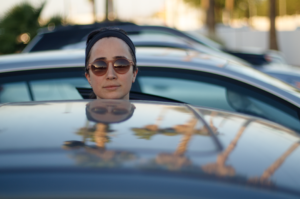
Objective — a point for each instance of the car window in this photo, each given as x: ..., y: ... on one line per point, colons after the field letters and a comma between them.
x: 14, y: 92
x: 245, y: 70
x: 214, y: 91
x: 42, y: 85
x: 57, y: 89
x: 186, y: 90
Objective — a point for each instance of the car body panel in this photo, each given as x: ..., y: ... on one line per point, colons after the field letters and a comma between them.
x: 286, y: 73
x: 172, y: 140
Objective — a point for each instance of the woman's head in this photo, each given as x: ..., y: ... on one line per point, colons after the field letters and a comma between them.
x: 110, y: 47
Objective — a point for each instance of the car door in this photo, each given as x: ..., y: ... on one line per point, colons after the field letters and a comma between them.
x: 215, y: 91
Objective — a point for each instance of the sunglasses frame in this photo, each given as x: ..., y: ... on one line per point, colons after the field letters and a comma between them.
x: 107, y: 63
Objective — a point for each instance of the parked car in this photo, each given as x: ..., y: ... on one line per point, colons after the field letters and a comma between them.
x: 66, y: 35
x: 74, y: 37
x: 288, y: 74
x: 136, y: 149
x: 159, y: 36
x: 183, y: 75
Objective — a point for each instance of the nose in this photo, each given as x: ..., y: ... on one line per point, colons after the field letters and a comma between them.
x: 111, y: 73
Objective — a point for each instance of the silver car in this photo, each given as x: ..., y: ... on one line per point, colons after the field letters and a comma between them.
x: 140, y: 149
x: 183, y: 75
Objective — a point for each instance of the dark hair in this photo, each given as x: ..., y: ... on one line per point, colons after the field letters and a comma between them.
x: 102, y: 30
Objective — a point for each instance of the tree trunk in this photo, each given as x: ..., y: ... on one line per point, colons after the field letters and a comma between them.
x: 94, y: 10
x: 229, y: 5
x: 109, y: 10
x: 272, y: 33
x: 106, y: 10
x: 210, y: 17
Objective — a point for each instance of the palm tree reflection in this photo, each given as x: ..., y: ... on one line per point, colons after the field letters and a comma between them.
x: 219, y: 167
x: 148, y: 131
x: 265, y: 177
x: 104, y: 113
x: 177, y: 159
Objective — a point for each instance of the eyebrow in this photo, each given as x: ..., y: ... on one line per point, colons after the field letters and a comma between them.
x: 115, y: 57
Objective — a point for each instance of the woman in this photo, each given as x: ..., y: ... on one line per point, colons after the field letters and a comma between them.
x: 110, y: 63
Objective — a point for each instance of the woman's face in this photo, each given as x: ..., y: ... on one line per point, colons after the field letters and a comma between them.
x: 111, y: 85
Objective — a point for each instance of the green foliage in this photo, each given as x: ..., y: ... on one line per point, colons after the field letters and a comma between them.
x: 292, y: 7
x: 194, y: 3
x: 21, y: 19
x: 262, y: 8
x: 241, y: 7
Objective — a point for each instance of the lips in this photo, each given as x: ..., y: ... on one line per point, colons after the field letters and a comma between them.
x: 111, y: 87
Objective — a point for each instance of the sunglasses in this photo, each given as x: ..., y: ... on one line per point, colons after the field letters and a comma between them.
x: 114, y: 111
x: 120, y: 65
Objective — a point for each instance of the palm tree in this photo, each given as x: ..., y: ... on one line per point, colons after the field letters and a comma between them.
x: 94, y: 10
x: 109, y: 14
x: 19, y: 24
x: 272, y: 33
x: 210, y: 17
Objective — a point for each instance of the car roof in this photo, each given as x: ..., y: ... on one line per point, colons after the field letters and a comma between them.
x: 172, y: 138
x: 148, y: 35
x: 168, y: 41
x: 61, y: 58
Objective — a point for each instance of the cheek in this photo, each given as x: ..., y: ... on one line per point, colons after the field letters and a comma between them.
x: 127, y: 79
x: 95, y: 80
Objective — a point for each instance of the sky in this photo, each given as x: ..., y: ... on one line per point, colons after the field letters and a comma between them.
x: 126, y: 9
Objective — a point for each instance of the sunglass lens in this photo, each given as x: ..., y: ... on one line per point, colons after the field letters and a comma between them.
x: 99, y: 110
x: 121, y: 66
x: 119, y: 111
x: 99, y: 68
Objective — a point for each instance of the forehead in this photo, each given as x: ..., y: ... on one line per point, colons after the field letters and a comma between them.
x: 110, y: 47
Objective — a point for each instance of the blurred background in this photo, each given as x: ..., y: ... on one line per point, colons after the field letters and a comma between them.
x: 251, y: 26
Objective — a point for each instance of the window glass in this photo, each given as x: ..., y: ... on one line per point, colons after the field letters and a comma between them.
x: 185, y: 90
x: 263, y: 77
x: 257, y: 107
x: 214, y: 91
x: 58, y: 89
x: 14, y: 92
